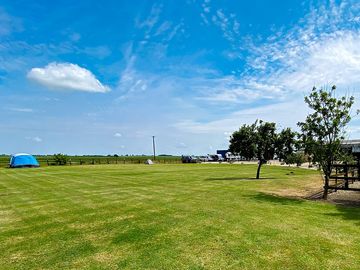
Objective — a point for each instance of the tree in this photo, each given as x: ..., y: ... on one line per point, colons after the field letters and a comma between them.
x: 286, y: 143
x: 256, y: 140
x: 323, y: 129
x: 61, y: 159
x: 243, y: 141
x: 297, y: 158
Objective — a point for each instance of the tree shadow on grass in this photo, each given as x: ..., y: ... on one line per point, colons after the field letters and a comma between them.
x: 347, y: 212
x: 237, y: 178
x: 269, y: 198
x: 346, y: 203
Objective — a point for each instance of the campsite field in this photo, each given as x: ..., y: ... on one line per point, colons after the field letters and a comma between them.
x: 194, y: 216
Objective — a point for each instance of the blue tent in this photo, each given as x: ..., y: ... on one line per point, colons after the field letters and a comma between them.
x: 23, y: 160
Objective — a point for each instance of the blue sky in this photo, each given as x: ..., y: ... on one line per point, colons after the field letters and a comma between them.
x: 90, y: 77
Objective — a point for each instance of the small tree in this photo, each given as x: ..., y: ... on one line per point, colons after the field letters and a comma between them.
x: 243, y: 141
x: 297, y: 158
x: 255, y: 141
x: 60, y: 159
x: 323, y: 129
x: 286, y: 143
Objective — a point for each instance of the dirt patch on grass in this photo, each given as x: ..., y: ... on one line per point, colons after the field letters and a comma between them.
x: 346, y: 197
x: 301, y: 191
x: 312, y: 190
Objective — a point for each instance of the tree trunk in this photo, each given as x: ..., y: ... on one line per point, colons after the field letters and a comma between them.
x: 258, y: 169
x: 326, y: 187
x: 327, y: 171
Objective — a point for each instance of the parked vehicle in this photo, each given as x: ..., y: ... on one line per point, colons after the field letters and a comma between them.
x: 231, y: 157
x: 189, y: 159
x: 215, y: 158
x: 203, y: 158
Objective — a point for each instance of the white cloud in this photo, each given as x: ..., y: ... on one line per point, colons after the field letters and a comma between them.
x: 35, y: 139
x: 118, y: 135
x: 323, y: 50
x: 305, y: 62
x: 25, y: 110
x: 67, y: 76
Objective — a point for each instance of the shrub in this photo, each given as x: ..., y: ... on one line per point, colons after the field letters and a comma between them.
x: 61, y: 159
x: 297, y: 158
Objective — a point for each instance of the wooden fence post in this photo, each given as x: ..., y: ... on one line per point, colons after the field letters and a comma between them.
x: 346, y: 168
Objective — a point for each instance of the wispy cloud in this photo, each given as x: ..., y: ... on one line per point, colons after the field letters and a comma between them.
x: 225, y: 21
x: 230, y: 89
x: 228, y: 24
x: 131, y: 81
x: 165, y: 26
x: 67, y: 76
x: 323, y: 50
x: 23, y: 110
x: 152, y: 19
x: 279, y: 113
x: 35, y: 139
x: 8, y: 23
x: 205, y: 11
x: 156, y: 29
x: 99, y: 52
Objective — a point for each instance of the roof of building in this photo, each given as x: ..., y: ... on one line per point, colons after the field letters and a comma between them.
x: 356, y: 141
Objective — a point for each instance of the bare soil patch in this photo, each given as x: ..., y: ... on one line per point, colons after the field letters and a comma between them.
x: 346, y: 197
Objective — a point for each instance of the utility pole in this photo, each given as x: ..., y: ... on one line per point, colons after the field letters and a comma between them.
x: 153, y: 139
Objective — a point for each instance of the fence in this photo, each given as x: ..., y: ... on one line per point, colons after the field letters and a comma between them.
x: 344, y: 174
x: 95, y: 160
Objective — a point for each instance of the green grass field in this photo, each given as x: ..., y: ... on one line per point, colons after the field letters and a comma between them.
x: 192, y: 216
